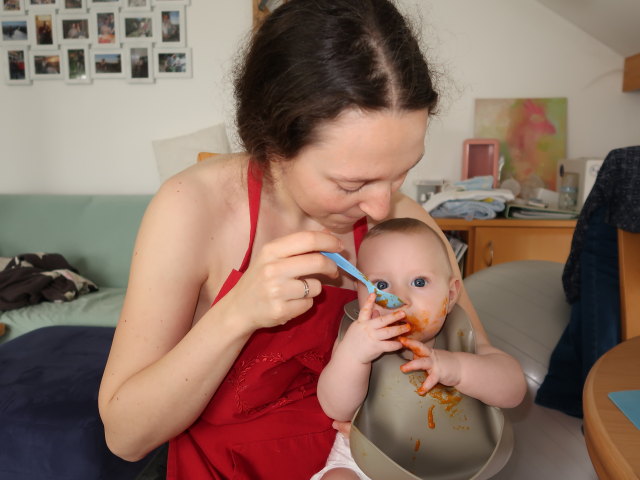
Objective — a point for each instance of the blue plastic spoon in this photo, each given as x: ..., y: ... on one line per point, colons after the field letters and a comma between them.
x: 384, y: 299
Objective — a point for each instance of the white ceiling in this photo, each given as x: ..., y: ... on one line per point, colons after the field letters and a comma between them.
x: 616, y: 23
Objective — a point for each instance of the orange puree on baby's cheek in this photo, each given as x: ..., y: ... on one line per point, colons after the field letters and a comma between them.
x: 445, y: 307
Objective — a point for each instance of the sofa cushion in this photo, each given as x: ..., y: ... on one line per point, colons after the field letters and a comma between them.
x: 177, y: 153
x: 101, y: 308
x: 95, y: 233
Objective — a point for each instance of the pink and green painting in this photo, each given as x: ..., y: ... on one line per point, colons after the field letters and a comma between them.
x: 532, y: 134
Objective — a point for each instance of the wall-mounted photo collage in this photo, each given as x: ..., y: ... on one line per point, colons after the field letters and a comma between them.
x: 79, y: 41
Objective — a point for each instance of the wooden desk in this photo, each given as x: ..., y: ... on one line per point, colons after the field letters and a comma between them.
x: 505, y: 240
x: 612, y: 440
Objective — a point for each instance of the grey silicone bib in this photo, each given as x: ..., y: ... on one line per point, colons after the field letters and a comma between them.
x: 445, y: 435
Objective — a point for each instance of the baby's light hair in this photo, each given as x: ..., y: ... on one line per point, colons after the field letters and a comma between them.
x: 407, y: 225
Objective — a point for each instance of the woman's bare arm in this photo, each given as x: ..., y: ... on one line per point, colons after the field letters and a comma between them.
x: 163, y: 370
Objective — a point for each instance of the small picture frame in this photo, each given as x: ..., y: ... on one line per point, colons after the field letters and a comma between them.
x: 164, y: 3
x: 45, y: 29
x: 46, y: 64
x: 136, y: 5
x: 108, y: 64
x: 16, y: 66
x: 172, y: 62
x: 106, y: 28
x: 12, y: 7
x: 72, y: 6
x: 138, y: 26
x: 76, y: 64
x: 140, y: 68
x: 74, y: 28
x: 105, y: 3
x: 170, y: 22
x: 37, y: 5
x: 16, y: 30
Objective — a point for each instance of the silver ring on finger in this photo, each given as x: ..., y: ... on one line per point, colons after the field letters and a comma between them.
x: 306, y: 287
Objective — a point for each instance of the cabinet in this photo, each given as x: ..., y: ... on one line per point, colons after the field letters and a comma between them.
x: 505, y: 240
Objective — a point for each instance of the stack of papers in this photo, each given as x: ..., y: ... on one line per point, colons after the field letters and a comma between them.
x: 530, y: 212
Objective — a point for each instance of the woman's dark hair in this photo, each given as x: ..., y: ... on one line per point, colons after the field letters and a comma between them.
x: 312, y: 59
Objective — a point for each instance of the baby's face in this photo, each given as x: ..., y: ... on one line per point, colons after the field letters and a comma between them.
x: 413, y: 267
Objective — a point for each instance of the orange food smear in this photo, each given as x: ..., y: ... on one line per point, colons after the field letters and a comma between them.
x: 431, y: 423
x: 445, y: 306
x: 417, y: 447
x: 448, y: 396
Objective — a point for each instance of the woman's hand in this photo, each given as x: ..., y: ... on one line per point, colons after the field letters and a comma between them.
x: 272, y: 291
x: 441, y: 366
x: 373, y: 334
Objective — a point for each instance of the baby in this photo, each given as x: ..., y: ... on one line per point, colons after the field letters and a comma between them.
x: 407, y: 258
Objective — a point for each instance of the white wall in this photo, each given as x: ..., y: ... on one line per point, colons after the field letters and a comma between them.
x: 97, y: 138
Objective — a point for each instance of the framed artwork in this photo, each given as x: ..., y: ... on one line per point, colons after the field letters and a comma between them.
x: 45, y: 30
x: 12, y: 7
x: 74, y: 28
x: 16, y: 31
x: 532, y: 133
x: 16, y: 66
x: 106, y: 25
x: 72, y: 6
x: 76, y: 64
x: 46, y: 64
x: 171, y: 25
x: 140, y: 58
x: 173, y: 62
x: 137, y: 27
x: 36, y: 5
x: 136, y: 5
x: 107, y: 64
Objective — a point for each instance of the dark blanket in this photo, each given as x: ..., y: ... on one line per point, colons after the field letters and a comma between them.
x: 32, y: 278
x: 50, y: 428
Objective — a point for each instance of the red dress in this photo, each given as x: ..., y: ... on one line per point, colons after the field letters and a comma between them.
x: 264, y: 421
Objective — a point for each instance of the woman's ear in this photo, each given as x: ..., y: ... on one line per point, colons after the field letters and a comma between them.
x: 454, y: 292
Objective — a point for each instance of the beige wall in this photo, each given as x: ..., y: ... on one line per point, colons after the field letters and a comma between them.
x: 97, y: 138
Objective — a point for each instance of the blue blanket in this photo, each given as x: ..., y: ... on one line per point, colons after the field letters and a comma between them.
x: 49, y: 423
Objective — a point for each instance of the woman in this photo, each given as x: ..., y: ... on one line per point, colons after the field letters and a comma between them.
x: 231, y: 312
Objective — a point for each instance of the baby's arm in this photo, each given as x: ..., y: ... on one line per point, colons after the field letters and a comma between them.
x: 344, y: 381
x: 471, y: 374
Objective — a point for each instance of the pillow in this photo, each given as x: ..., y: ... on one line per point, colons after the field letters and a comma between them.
x: 177, y: 153
x: 100, y: 308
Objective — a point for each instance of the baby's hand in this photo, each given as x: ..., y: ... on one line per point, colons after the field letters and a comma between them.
x: 373, y: 334
x: 441, y: 366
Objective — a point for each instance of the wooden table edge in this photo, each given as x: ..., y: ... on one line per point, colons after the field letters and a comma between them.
x: 617, y: 468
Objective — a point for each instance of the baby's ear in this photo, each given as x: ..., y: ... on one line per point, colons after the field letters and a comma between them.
x: 454, y: 292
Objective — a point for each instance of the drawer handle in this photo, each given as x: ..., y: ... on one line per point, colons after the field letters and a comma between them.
x: 490, y: 247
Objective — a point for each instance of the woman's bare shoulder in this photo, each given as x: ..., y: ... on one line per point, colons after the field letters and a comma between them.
x: 210, y: 189
x: 404, y: 206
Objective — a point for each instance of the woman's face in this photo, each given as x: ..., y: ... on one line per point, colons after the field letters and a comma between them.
x: 358, y: 162
x: 413, y: 266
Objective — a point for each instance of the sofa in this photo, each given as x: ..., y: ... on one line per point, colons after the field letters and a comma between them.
x: 94, y: 233
x: 52, y: 355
